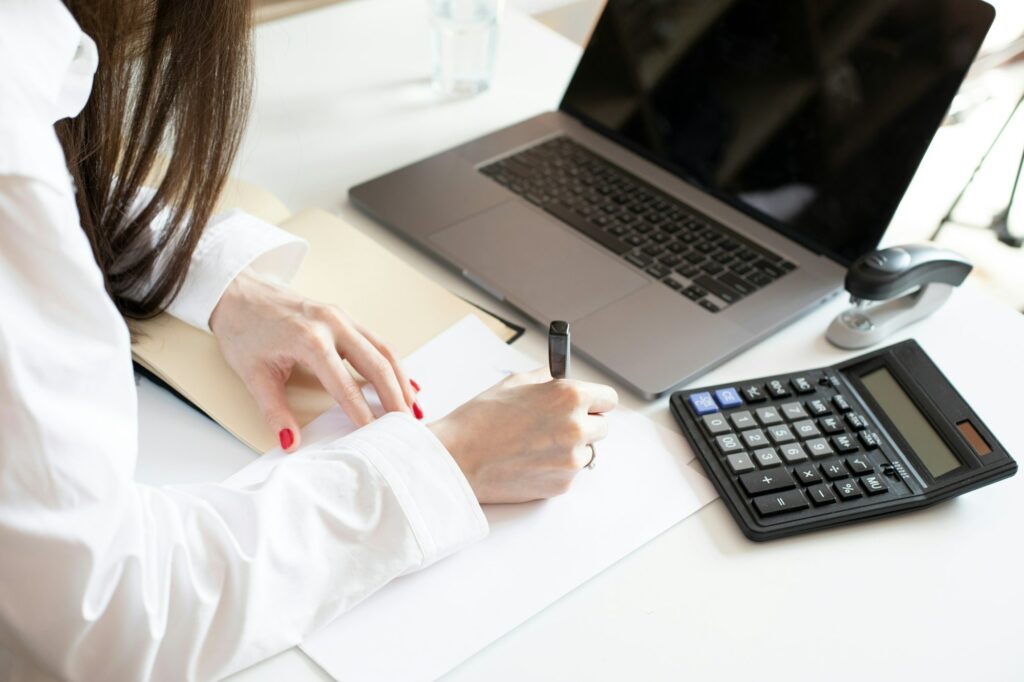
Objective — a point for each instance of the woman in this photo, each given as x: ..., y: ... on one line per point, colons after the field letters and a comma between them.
x: 105, y: 579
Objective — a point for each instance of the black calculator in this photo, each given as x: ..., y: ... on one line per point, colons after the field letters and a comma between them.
x: 883, y: 433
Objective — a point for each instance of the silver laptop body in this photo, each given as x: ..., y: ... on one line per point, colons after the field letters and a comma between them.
x: 645, y: 331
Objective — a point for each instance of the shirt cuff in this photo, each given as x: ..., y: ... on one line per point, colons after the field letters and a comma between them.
x: 231, y: 242
x: 438, y: 501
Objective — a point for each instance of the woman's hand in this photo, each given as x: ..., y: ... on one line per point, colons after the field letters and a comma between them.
x: 527, y: 437
x: 264, y: 330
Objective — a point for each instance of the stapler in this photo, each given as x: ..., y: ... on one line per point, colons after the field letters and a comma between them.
x: 892, y: 288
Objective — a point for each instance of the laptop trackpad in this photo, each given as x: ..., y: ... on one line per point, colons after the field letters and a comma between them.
x: 536, y: 262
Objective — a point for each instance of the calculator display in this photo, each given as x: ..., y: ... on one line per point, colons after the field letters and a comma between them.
x: 912, y: 424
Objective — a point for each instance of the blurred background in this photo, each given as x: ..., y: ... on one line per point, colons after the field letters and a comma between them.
x: 968, y: 175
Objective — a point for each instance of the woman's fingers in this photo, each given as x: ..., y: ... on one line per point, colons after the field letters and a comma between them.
x: 323, y: 360
x: 371, y: 363
x: 595, y: 428
x: 269, y: 392
x: 598, y: 398
x: 408, y: 389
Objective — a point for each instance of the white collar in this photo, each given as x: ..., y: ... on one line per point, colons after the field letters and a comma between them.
x: 53, y: 60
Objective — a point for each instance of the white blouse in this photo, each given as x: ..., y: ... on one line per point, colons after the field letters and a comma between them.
x: 102, y: 578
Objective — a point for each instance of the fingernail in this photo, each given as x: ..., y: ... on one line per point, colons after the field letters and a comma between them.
x: 415, y: 385
x: 286, y: 437
x: 417, y: 410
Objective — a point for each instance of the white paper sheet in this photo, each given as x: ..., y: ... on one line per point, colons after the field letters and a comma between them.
x: 423, y: 625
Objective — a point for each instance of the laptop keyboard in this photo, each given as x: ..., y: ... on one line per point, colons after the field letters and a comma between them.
x: 705, y: 262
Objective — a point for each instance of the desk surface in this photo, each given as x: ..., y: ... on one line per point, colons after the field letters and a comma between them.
x: 343, y: 95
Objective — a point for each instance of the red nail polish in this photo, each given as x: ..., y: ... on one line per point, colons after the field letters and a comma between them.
x: 417, y: 410
x: 286, y: 437
x: 415, y: 385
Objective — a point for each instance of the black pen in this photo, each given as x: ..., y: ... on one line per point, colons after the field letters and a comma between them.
x: 559, y: 349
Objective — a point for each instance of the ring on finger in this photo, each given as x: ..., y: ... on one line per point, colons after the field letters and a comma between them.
x: 593, y: 456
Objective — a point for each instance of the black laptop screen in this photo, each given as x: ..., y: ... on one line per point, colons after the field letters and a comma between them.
x: 810, y: 116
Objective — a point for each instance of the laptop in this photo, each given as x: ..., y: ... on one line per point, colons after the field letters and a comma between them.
x: 712, y: 170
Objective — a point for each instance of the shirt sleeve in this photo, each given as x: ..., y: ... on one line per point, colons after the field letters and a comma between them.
x: 106, y: 578
x: 231, y: 242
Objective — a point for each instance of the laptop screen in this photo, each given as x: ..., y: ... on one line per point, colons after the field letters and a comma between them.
x: 810, y: 116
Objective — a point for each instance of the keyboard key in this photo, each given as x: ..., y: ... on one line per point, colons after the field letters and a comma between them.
x: 766, y: 457
x: 694, y: 293
x: 801, y: 385
x: 874, y: 484
x: 792, y: 453
x: 638, y: 259
x: 847, y: 490
x: 834, y: 471
x: 818, y: 407
x: 830, y: 424
x: 760, y: 482
x: 777, y: 389
x: 779, y: 504
x: 754, y: 438
x: 728, y: 398
x: 768, y: 416
x: 742, y: 420
x: 714, y: 286
x: 869, y: 439
x: 843, y: 442
x: 818, y: 448
x: 841, y: 403
x: 739, y: 463
x: 754, y: 394
x: 821, y: 495
x: 857, y: 422
x: 780, y: 433
x: 858, y: 465
x: 715, y: 424
x: 672, y: 283
x: 658, y: 271
x: 581, y: 224
x: 702, y: 403
x: 793, y: 411
x: 806, y: 429
x: 728, y: 443
x: 807, y: 475
x: 742, y: 286
x: 708, y: 305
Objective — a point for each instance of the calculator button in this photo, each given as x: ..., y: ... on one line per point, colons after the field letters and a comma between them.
x: 766, y: 457
x: 874, y: 484
x: 807, y: 475
x: 728, y: 398
x: 857, y: 422
x: 833, y: 471
x: 792, y: 453
x: 821, y: 495
x: 777, y: 389
x: 716, y: 423
x: 869, y: 439
x: 858, y: 465
x: 740, y: 463
x: 780, y: 433
x: 742, y: 421
x: 754, y: 394
x: 818, y: 407
x: 779, y: 504
x: 758, y: 482
x: 830, y: 424
x: 805, y: 429
x: 818, y: 448
x: 844, y: 443
x: 801, y: 385
x: 728, y: 443
x: 793, y: 411
x: 702, y: 403
x: 768, y: 416
x: 841, y: 403
x: 848, y: 490
x: 754, y: 438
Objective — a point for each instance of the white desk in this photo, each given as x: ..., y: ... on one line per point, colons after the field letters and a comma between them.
x: 343, y: 95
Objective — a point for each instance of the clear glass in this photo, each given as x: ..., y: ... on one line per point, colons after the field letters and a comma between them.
x: 464, y: 36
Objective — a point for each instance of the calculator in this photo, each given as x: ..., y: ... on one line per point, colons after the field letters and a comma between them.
x: 883, y: 433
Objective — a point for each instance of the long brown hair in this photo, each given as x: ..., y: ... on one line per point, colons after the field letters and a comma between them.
x: 173, y: 82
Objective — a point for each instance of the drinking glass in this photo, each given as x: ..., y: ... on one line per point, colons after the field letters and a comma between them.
x: 464, y: 37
